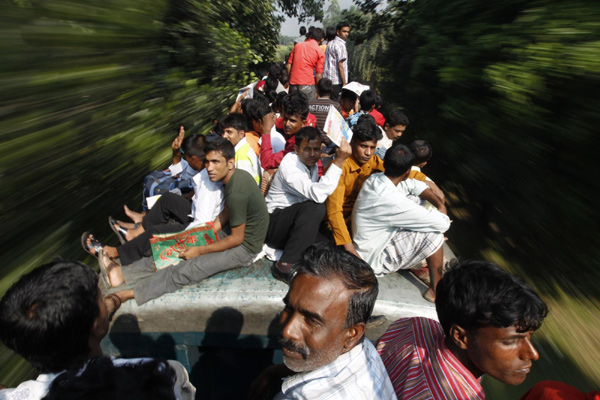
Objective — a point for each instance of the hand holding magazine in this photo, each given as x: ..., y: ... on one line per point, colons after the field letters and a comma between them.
x: 166, y: 247
x: 336, y: 128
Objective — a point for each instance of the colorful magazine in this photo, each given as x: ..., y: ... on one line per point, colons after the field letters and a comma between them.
x: 336, y: 127
x: 166, y: 247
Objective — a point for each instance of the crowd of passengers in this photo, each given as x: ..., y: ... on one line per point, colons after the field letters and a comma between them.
x: 332, y: 218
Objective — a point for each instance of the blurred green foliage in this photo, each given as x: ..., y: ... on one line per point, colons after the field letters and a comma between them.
x: 92, y: 93
x: 507, y: 93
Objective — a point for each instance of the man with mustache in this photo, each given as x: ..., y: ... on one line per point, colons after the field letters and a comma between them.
x: 296, y: 198
x: 487, y: 317
x: 325, y: 352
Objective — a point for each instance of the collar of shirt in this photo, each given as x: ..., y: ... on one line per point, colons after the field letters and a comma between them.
x: 240, y: 144
x: 329, y: 370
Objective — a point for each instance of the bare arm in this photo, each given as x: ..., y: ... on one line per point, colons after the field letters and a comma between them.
x: 342, y: 72
x: 176, y: 145
x: 435, y: 200
x: 236, y: 108
x: 436, y: 190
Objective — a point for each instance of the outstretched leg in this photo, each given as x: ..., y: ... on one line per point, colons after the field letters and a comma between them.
x: 134, y: 216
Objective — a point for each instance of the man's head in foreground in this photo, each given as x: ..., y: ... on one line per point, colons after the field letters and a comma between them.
x: 330, y: 299
x: 220, y: 160
x: 488, y: 316
x: 54, y: 316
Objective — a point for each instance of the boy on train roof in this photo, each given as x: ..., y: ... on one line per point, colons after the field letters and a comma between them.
x: 487, y: 317
x: 234, y: 129
x: 394, y: 127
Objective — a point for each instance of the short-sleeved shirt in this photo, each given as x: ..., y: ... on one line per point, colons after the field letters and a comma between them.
x: 246, y: 205
x: 336, y: 52
x: 421, y: 366
x: 306, y: 58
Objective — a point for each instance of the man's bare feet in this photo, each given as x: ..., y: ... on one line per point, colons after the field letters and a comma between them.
x: 134, y: 216
x: 429, y: 295
x: 127, y: 225
x: 113, y: 302
x: 91, y: 244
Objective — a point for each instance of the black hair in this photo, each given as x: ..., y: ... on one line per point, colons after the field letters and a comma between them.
x: 236, y: 121
x: 378, y: 100
x: 348, y: 94
x: 255, y: 109
x: 330, y: 33
x: 366, y: 129
x: 475, y: 294
x: 222, y: 146
x: 47, y: 315
x: 317, y: 34
x: 341, y: 25
x: 296, y: 104
x: 101, y: 379
x: 325, y: 87
x: 274, y: 70
x: 422, y: 151
x: 278, y: 102
x: 307, y: 133
x: 368, y: 100
x: 302, y: 30
x: 284, y: 78
x: 397, y: 160
x: 310, y: 32
x: 193, y: 145
x: 271, y: 83
x: 396, y: 118
x: 328, y: 261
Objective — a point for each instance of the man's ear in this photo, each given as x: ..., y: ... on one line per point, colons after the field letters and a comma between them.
x: 296, y: 149
x: 386, y: 126
x: 98, y: 330
x: 231, y: 163
x: 353, y: 335
x: 458, y: 336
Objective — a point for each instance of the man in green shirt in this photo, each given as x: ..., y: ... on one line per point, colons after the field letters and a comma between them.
x: 248, y: 218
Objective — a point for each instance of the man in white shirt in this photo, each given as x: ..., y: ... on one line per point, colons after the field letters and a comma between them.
x: 234, y: 129
x: 296, y: 199
x: 325, y: 352
x: 207, y: 203
x: 390, y: 230
x: 55, y: 318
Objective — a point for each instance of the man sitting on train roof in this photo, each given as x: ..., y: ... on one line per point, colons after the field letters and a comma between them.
x: 325, y: 353
x: 487, y: 317
x: 390, y: 230
x: 171, y: 213
x: 296, y: 198
x: 248, y: 219
x: 55, y: 318
x: 234, y: 128
x: 356, y: 169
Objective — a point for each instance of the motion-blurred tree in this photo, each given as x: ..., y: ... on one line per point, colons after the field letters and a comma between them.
x: 507, y: 93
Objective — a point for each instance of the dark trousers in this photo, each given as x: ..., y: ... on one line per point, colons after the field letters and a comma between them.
x: 294, y: 228
x: 335, y: 92
x: 168, y: 207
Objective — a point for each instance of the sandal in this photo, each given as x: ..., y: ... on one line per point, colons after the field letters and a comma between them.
x: 104, y: 272
x: 118, y: 230
x: 95, y: 244
x: 116, y: 300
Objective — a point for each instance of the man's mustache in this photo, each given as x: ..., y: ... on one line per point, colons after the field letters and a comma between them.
x: 290, y: 345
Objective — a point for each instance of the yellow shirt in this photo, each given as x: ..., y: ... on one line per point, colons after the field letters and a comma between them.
x: 341, y: 201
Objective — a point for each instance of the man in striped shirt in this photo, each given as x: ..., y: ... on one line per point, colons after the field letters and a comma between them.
x: 487, y: 317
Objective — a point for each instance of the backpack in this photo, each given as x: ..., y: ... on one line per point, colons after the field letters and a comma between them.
x: 159, y: 182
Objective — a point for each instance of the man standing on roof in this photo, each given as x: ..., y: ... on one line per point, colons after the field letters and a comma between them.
x: 305, y: 65
x: 336, y: 60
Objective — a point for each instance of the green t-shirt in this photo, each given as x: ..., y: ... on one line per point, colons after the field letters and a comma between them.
x: 246, y: 204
